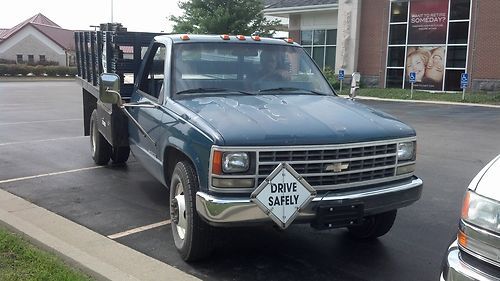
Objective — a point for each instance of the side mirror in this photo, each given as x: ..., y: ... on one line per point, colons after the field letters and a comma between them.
x: 355, y: 81
x: 109, y: 88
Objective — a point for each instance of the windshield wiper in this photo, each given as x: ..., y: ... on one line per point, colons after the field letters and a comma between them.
x: 291, y: 89
x: 211, y: 90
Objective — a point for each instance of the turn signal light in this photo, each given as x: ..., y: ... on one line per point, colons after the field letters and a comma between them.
x: 462, y: 239
x: 217, y: 163
x: 225, y: 37
x: 240, y: 37
x: 465, y: 206
x: 184, y: 37
x: 256, y: 38
x: 289, y: 40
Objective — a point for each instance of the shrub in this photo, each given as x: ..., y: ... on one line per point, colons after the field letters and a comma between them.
x: 332, y: 77
x: 6, y: 61
x: 39, y: 70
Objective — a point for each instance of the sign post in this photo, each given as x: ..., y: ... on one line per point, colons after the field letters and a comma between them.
x: 413, y: 79
x: 341, y: 78
x: 464, y: 82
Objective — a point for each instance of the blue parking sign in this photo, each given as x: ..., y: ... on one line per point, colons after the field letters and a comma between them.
x: 413, y: 77
x: 341, y: 74
x: 464, y: 80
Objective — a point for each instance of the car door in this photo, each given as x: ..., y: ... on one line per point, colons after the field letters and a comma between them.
x: 149, y: 91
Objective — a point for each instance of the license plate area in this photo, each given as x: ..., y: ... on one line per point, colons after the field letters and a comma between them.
x: 336, y: 215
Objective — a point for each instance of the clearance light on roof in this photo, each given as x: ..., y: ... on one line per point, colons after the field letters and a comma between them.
x: 256, y: 38
x: 184, y: 37
x: 240, y: 37
x: 225, y: 37
x: 289, y: 40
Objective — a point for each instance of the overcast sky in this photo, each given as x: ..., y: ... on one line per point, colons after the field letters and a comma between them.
x: 143, y: 15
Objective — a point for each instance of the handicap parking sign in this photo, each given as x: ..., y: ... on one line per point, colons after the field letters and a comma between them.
x: 341, y: 74
x: 464, y: 80
x: 413, y: 77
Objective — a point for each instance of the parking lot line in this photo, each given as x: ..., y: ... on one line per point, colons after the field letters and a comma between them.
x: 138, y: 229
x: 41, y: 121
x: 51, y: 174
x: 31, y: 141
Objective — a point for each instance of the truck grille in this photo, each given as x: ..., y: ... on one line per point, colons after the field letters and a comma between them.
x: 365, y: 163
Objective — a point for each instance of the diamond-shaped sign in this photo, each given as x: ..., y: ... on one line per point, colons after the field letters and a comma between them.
x: 283, y: 194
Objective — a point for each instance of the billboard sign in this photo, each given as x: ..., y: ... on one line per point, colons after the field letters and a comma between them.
x: 427, y: 63
x: 428, y: 22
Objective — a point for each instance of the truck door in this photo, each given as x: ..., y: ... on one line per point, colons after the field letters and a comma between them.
x: 149, y: 90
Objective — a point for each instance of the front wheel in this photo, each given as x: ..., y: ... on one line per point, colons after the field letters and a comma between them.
x: 192, y: 236
x: 374, y: 226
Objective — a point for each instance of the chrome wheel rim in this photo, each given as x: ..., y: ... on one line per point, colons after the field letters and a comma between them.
x: 178, y: 211
x: 93, y: 139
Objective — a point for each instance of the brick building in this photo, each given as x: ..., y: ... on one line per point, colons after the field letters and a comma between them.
x: 387, y: 40
x: 37, y: 40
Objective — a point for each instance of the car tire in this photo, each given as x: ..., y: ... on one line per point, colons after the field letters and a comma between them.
x: 192, y: 236
x: 120, y: 154
x: 374, y: 226
x: 99, y: 146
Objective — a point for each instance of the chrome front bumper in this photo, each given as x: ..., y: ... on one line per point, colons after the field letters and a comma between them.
x: 233, y: 211
x: 456, y: 269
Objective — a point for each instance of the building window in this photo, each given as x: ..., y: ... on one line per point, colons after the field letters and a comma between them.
x: 430, y: 38
x: 321, y: 44
x: 31, y: 59
x: 42, y: 58
x: 19, y: 58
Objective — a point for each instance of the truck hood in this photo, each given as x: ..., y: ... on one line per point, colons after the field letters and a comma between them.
x: 488, y: 179
x: 294, y: 120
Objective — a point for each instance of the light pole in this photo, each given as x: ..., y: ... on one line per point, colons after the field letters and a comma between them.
x: 112, y: 11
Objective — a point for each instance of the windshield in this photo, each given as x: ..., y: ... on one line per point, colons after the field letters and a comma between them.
x: 233, y: 68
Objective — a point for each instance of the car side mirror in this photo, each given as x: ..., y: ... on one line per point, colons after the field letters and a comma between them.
x: 355, y: 82
x: 109, y: 88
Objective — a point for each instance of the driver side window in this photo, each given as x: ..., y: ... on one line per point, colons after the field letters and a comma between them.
x: 152, y: 79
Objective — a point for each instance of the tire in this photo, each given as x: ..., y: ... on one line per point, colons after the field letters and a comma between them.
x: 120, y: 154
x: 99, y: 146
x: 374, y: 226
x: 192, y: 235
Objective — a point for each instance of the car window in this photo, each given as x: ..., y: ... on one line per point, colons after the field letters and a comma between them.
x: 153, y: 77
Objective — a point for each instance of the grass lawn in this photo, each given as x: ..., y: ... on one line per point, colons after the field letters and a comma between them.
x: 20, y: 260
x: 402, y: 94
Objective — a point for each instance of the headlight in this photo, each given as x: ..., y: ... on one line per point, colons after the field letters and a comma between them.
x: 406, y: 150
x: 481, y: 212
x: 235, y: 162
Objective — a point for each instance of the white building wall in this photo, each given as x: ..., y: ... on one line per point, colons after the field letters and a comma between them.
x: 30, y: 41
x: 318, y: 20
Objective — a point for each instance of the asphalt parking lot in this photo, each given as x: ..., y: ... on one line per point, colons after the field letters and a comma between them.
x: 45, y: 159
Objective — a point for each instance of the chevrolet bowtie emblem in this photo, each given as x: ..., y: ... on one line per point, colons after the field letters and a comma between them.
x: 336, y: 167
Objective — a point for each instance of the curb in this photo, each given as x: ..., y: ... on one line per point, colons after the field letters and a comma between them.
x: 424, y: 101
x: 80, y: 247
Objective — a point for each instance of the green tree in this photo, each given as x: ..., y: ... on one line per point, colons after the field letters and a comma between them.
x: 223, y: 17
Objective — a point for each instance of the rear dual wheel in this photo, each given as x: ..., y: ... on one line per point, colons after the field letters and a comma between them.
x: 99, y: 146
x: 101, y: 150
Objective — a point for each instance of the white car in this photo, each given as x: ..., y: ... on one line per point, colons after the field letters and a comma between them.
x: 475, y: 254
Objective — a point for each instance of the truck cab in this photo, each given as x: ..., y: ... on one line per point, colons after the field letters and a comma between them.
x: 246, y: 130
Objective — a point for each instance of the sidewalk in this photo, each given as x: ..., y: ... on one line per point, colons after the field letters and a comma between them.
x: 424, y: 101
x: 97, y: 255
